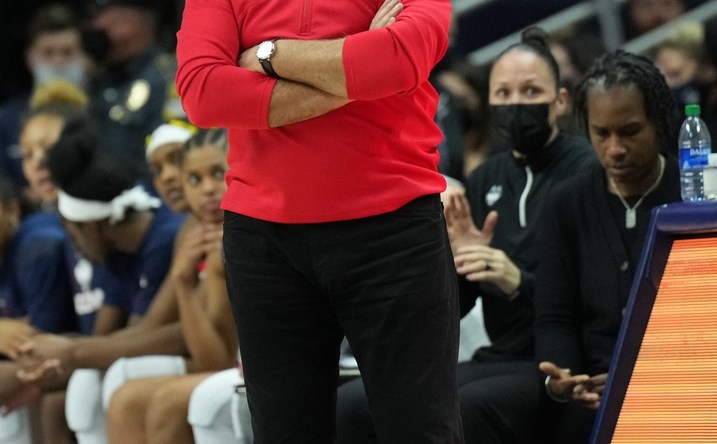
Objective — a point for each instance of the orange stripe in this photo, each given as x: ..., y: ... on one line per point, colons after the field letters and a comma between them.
x: 672, y: 395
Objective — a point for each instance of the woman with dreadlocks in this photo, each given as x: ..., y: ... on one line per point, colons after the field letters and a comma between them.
x: 594, y: 232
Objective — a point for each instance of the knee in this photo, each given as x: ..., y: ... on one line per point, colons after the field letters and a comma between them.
x: 125, y: 403
x: 475, y: 397
x: 167, y: 407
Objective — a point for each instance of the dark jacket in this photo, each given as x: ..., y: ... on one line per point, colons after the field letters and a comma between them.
x: 588, y: 259
x: 498, y: 184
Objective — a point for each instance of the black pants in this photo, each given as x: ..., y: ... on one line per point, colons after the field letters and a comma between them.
x: 499, y: 405
x: 500, y: 402
x: 387, y: 282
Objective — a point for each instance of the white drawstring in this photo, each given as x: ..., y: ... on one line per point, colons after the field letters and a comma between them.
x: 524, y: 197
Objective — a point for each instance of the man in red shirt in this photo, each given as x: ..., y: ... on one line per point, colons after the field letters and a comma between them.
x: 333, y: 223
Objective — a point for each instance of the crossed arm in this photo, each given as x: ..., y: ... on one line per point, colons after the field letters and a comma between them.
x: 312, y: 73
x: 316, y: 76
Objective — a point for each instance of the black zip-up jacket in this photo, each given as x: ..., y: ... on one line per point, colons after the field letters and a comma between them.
x: 517, y: 189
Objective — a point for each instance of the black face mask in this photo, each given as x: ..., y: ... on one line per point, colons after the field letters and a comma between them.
x: 524, y: 127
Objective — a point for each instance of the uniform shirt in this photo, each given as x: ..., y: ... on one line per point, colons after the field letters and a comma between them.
x: 91, y: 285
x: 34, y: 275
x: 369, y: 157
x: 141, y: 274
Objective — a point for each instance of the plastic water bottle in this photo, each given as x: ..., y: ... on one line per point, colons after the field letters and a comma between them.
x: 695, y: 145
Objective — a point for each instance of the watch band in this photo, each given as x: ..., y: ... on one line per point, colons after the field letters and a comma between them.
x: 268, y: 69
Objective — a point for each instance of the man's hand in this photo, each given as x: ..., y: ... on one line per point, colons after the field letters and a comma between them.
x: 386, y: 14
x: 462, y: 231
x: 14, y: 333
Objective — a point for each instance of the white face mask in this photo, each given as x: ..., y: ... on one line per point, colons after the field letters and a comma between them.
x: 73, y: 73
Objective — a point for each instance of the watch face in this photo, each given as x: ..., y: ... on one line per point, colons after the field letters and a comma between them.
x: 265, y: 50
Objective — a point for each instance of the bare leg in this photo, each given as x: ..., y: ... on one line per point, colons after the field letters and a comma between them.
x: 128, y: 408
x: 54, y: 425
x: 167, y: 411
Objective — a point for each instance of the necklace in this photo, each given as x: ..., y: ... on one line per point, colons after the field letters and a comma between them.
x: 630, y: 214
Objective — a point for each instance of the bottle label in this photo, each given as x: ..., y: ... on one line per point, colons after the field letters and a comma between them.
x: 694, y: 157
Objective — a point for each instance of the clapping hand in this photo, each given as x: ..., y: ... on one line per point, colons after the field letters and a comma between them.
x: 462, y: 231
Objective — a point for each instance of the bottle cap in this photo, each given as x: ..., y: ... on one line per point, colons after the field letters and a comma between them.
x: 692, y: 110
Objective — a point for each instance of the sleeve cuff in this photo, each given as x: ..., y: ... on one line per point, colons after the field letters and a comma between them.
x: 553, y: 396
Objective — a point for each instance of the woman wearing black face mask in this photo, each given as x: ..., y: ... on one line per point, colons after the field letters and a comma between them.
x: 506, y: 195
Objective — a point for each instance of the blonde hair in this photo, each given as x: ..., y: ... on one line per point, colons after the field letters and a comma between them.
x: 688, y: 38
x: 58, y: 91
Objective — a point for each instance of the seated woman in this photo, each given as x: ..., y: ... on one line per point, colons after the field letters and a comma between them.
x: 155, y: 409
x: 595, y: 230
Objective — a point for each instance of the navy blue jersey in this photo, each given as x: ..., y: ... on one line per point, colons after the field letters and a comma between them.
x: 90, y: 285
x: 138, y: 276
x: 34, y: 277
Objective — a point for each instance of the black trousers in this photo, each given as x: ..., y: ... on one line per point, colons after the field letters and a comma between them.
x: 499, y: 405
x: 386, y: 282
x: 500, y: 402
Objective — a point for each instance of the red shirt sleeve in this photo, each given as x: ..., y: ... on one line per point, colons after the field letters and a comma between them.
x: 213, y: 89
x: 398, y: 58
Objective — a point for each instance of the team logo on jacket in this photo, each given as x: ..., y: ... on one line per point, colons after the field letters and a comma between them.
x: 493, y: 194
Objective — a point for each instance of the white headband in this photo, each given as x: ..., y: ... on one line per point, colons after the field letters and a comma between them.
x: 164, y: 134
x: 81, y: 210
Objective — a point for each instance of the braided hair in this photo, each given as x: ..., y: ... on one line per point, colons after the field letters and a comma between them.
x: 215, y: 137
x: 535, y: 40
x: 624, y: 69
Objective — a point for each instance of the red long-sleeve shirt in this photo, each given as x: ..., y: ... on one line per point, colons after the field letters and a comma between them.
x: 369, y: 157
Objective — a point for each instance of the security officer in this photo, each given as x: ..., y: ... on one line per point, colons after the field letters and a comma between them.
x: 133, y: 90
